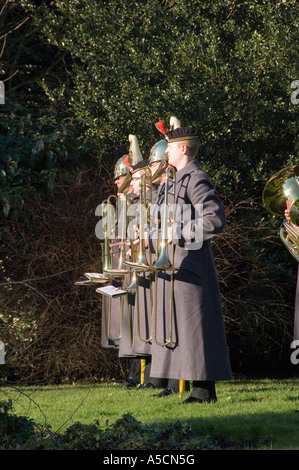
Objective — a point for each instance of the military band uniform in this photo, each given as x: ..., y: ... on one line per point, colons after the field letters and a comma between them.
x: 199, y: 351
x: 296, y: 316
x: 296, y: 307
x: 143, y: 299
x: 122, y: 176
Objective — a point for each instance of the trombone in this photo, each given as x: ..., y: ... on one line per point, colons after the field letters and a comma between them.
x: 163, y: 263
x: 140, y: 262
x: 119, y: 273
x: 282, y: 192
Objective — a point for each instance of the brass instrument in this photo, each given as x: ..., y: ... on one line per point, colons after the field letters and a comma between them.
x: 282, y: 192
x: 141, y: 263
x: 106, y: 252
x: 163, y: 262
x: 111, y: 219
x: 133, y: 283
x: 112, y: 223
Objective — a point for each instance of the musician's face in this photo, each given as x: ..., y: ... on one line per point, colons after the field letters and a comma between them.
x: 175, y: 154
x: 120, y: 181
x: 153, y: 168
x: 135, y: 182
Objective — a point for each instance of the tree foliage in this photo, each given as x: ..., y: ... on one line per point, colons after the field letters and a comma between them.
x: 34, y: 147
x: 225, y: 66
x: 38, y: 141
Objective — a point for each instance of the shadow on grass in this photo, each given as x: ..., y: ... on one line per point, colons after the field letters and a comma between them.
x: 279, y: 431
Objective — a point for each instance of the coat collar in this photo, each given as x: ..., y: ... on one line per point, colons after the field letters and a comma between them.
x: 191, y: 166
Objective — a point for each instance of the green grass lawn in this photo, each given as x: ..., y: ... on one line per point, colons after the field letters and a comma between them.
x: 252, y: 414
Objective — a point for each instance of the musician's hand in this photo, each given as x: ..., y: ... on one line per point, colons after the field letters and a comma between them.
x: 145, y: 235
x: 169, y: 235
x: 287, y: 215
x: 169, y: 232
x: 288, y: 219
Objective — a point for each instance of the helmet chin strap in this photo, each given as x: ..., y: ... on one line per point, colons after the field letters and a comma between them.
x: 125, y: 183
x: 160, y: 167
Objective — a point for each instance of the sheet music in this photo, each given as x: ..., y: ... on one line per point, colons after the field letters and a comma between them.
x: 94, y: 275
x: 111, y: 291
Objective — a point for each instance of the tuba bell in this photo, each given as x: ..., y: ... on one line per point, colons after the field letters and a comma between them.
x: 281, y: 192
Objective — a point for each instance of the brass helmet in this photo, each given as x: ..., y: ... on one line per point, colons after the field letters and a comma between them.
x: 123, y: 166
x: 158, y: 152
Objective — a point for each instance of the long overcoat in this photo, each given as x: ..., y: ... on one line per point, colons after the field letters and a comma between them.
x: 198, y: 350
x: 296, y: 313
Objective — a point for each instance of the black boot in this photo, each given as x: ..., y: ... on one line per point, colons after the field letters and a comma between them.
x: 203, y: 391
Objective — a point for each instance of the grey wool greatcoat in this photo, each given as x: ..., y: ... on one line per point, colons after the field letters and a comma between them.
x: 296, y: 314
x: 199, y: 349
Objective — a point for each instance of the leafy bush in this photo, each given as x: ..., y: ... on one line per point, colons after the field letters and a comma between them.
x: 15, y: 431
x: 225, y: 66
x: 34, y: 147
x: 127, y: 433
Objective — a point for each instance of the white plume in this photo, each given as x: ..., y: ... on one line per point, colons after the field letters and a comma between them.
x: 135, y: 152
x: 174, y: 123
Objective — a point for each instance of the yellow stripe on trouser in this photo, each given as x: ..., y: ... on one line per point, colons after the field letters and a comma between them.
x: 142, y: 370
x: 182, y: 386
x: 182, y: 383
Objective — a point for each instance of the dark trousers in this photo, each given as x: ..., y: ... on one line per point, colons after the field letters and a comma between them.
x: 204, y: 390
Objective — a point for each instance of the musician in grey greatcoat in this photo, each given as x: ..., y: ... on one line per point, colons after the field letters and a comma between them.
x: 198, y: 351
x: 296, y: 307
x: 111, y: 333
x: 121, y: 323
x: 296, y: 312
x: 143, y: 294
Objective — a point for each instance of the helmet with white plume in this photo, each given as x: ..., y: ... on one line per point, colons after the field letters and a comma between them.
x: 124, y: 164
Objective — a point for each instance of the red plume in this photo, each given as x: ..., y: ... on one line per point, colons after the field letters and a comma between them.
x: 127, y: 161
x: 161, y: 126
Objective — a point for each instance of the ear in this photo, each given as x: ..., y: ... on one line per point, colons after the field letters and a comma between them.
x: 184, y: 149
